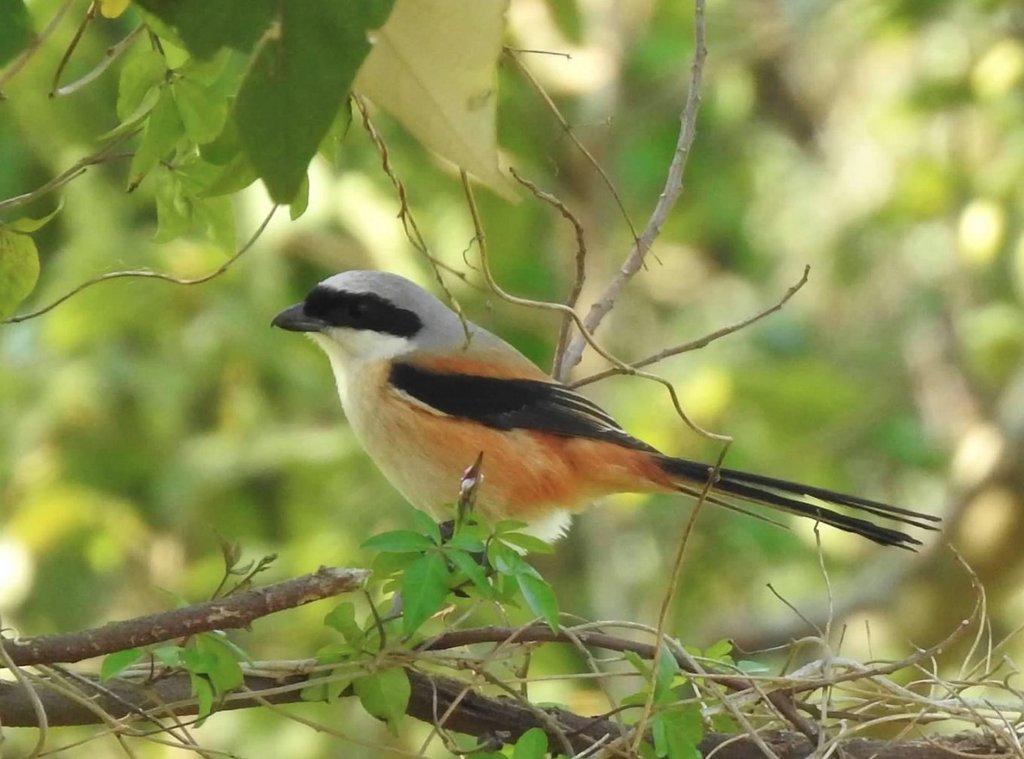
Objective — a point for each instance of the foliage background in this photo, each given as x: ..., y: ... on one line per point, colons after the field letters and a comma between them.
x: 881, y: 143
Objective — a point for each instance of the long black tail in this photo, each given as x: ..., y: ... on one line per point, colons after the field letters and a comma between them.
x: 778, y: 494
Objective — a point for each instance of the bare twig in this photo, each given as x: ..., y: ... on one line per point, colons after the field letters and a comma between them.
x: 675, y: 350
x: 575, y: 140
x: 485, y: 266
x: 112, y: 54
x: 669, y: 194
x: 405, y: 215
x: 147, y: 274
x: 26, y: 55
x: 104, y: 155
x: 580, y: 275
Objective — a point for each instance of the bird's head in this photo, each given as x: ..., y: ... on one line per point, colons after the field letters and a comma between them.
x: 360, y: 316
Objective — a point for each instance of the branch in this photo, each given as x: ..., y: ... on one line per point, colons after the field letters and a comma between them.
x: 488, y: 718
x: 147, y: 274
x: 701, y: 342
x: 228, y: 613
x: 670, y: 193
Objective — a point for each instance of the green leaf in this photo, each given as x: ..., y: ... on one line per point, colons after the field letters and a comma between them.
x: 425, y: 524
x: 678, y: 732
x: 19, y: 269
x: 385, y: 694
x: 528, y: 543
x: 27, y: 225
x: 343, y: 619
x: 206, y: 26
x: 301, y: 201
x: 638, y: 663
x: 387, y: 564
x: 224, y: 672
x: 15, y: 29
x: 114, y: 664
x: 217, y: 216
x: 237, y: 174
x: 507, y: 561
x: 532, y: 744
x: 667, y: 669
x: 473, y: 571
x: 203, y: 113
x: 203, y: 693
x: 720, y: 651
x: 424, y: 590
x: 169, y: 656
x: 399, y: 541
x: 539, y: 597
x: 467, y: 543
x: 163, y: 130
x: 141, y: 74
x: 173, y: 209
x: 297, y: 81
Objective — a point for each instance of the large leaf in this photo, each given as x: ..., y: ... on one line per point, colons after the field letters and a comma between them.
x: 434, y: 68
x: 298, y: 79
x: 15, y: 28
x: 19, y: 269
x: 207, y: 26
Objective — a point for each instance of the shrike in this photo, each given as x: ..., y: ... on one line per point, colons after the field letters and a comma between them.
x: 425, y: 404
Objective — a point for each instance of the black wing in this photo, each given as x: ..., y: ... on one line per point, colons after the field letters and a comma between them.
x: 507, y: 404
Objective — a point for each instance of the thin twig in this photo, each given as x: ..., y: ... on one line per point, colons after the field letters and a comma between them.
x: 112, y: 54
x: 564, y: 330
x: 33, y: 47
x: 103, y: 155
x: 485, y: 266
x: 37, y: 705
x: 669, y: 194
x: 675, y: 350
x: 670, y: 593
x: 405, y: 215
x: 147, y: 274
x: 575, y: 140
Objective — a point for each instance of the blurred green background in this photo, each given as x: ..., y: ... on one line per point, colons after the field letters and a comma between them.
x: 882, y: 143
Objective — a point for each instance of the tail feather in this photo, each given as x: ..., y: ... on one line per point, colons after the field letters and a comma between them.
x: 779, y: 494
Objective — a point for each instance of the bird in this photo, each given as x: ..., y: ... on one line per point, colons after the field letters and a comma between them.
x: 428, y: 393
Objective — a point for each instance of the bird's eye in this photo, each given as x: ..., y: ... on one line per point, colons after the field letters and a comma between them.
x: 358, y: 309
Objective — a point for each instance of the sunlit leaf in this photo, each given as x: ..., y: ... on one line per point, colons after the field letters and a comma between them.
x: 19, y: 269
x: 343, y: 619
x: 201, y: 110
x: 140, y: 75
x: 27, y: 226
x: 434, y: 68
x: 173, y: 210
x: 163, y: 130
x: 113, y: 8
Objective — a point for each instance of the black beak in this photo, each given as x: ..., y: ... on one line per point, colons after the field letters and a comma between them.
x: 294, y: 319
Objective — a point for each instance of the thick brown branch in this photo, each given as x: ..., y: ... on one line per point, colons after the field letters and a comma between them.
x: 223, y: 614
